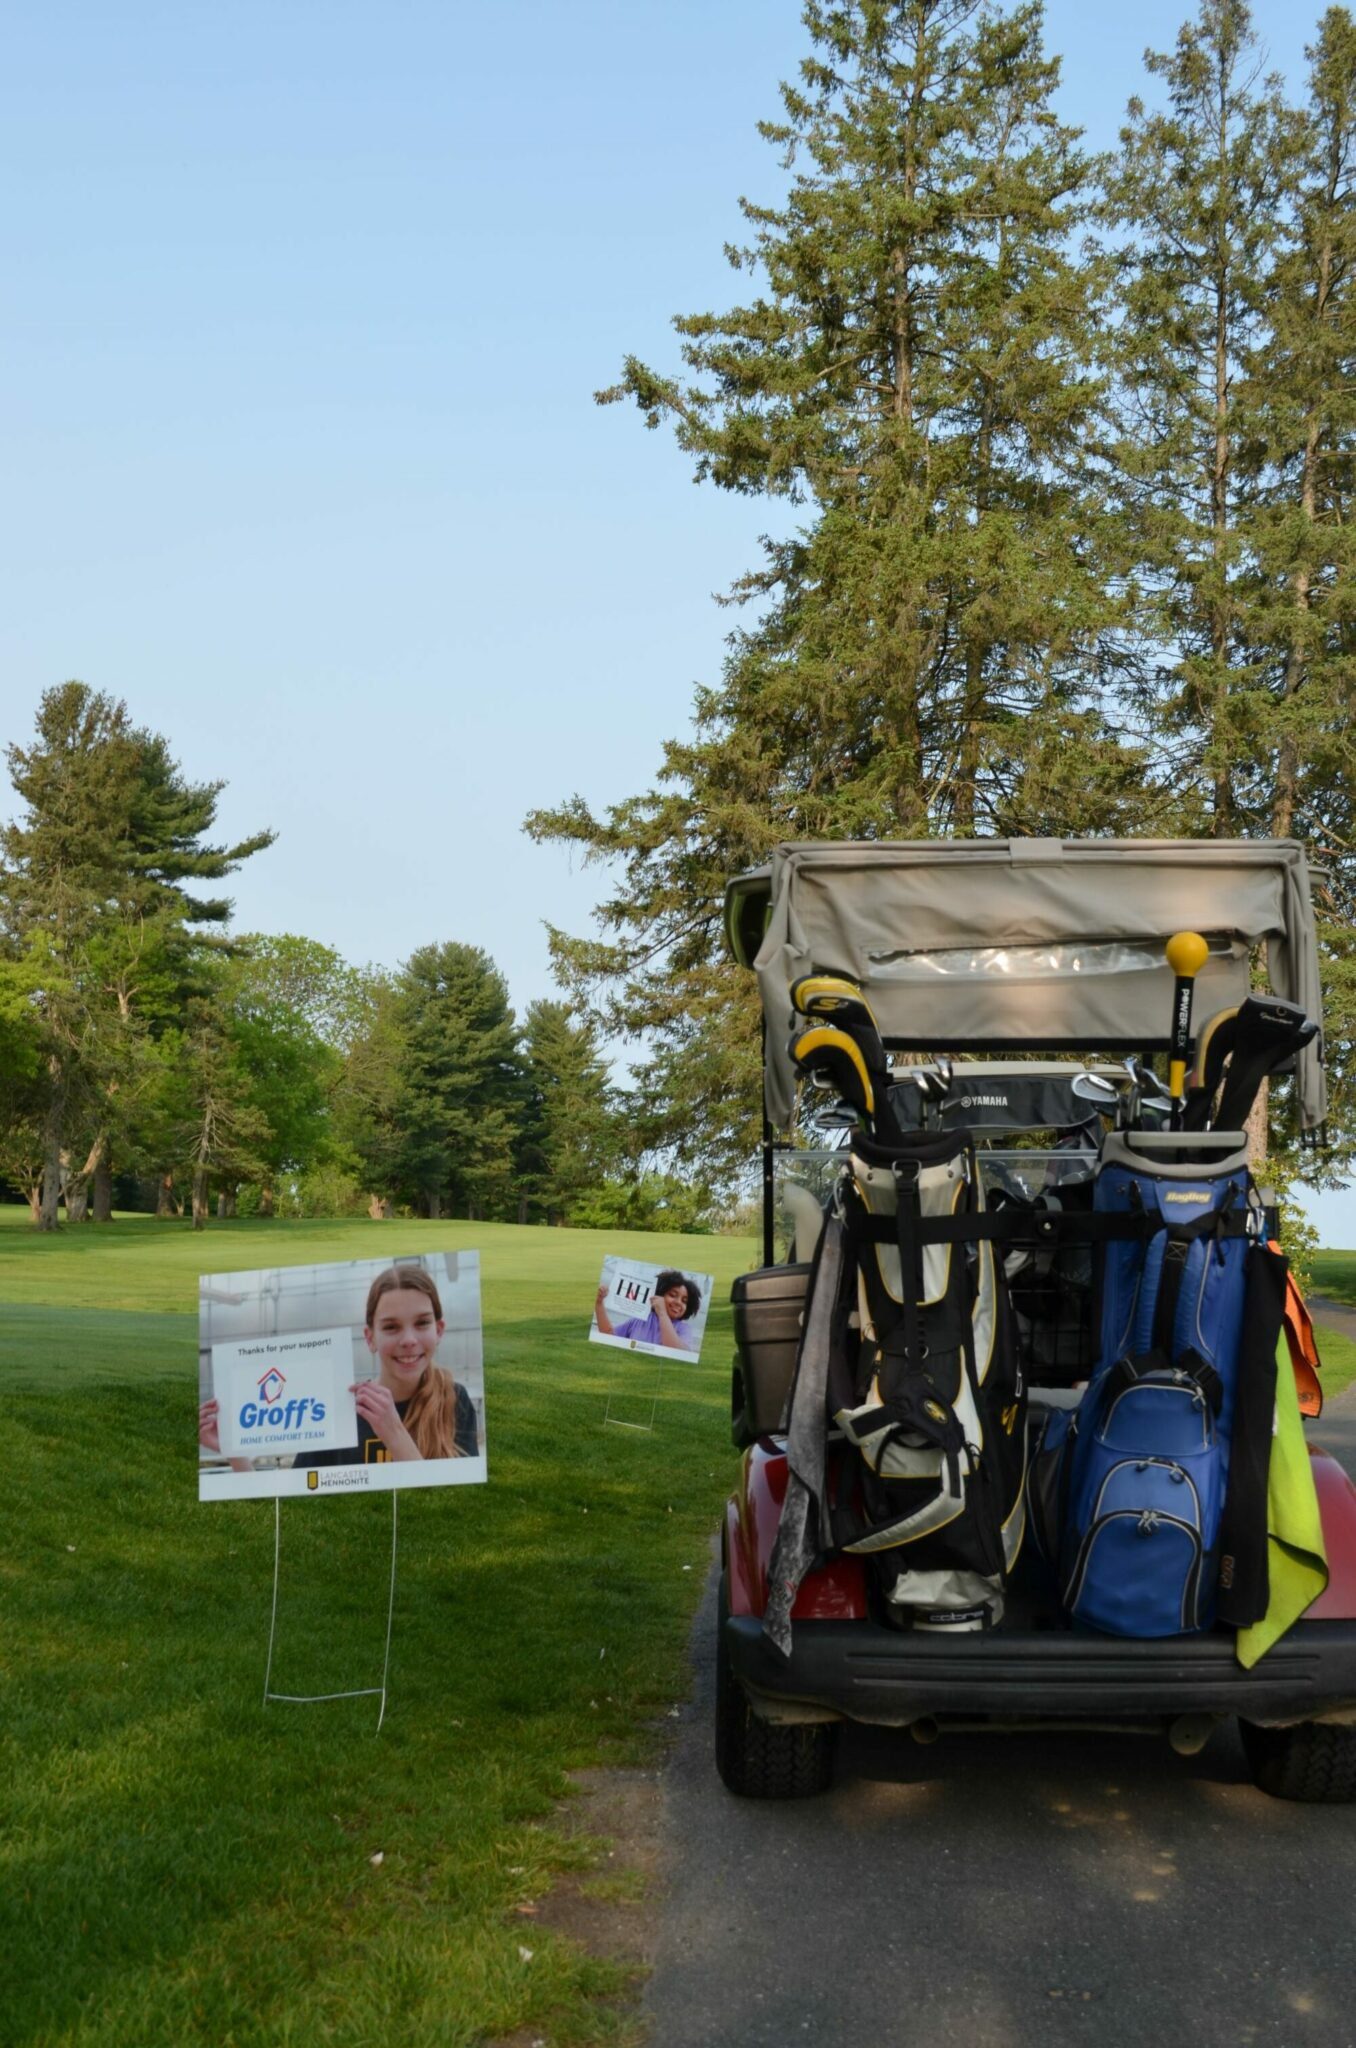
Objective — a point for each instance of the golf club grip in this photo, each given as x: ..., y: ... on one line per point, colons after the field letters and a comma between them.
x: 1187, y: 953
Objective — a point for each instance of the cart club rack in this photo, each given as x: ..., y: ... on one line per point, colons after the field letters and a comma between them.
x: 1081, y: 963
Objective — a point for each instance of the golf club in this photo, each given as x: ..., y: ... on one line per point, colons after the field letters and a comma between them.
x: 833, y: 999
x: 1150, y: 1092
x: 1098, y: 1090
x: 1214, y: 1044
x: 1266, y: 1032
x: 1187, y: 954
x: 832, y: 1059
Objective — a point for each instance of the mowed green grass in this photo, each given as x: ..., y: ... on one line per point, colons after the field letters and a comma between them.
x: 179, y: 1862
x: 1335, y: 1277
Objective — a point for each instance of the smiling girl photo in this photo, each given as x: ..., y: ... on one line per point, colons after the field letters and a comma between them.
x: 309, y: 1373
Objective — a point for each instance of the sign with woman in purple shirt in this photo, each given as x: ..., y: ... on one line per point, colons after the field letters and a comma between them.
x: 655, y: 1309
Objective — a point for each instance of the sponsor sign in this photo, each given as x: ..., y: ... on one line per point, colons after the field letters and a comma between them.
x: 632, y: 1313
x: 286, y: 1393
x: 282, y: 1350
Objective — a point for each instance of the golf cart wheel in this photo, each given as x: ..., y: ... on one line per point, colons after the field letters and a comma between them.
x: 1314, y: 1761
x: 759, y: 1759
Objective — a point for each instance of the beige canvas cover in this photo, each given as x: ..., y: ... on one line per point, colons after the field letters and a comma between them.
x: 1001, y: 943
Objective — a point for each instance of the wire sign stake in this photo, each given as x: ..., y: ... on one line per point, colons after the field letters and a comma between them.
x: 616, y: 1421
x: 362, y: 1692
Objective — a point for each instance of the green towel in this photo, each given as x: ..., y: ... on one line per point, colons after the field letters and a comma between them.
x: 1296, y: 1559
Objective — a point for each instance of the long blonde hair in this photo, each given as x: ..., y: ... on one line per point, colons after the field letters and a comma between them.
x: 431, y: 1411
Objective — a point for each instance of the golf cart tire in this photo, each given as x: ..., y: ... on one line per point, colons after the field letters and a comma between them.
x: 760, y: 1759
x: 1314, y: 1761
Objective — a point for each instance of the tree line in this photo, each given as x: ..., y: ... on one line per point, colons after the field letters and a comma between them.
x: 149, y: 1054
x: 1067, y: 444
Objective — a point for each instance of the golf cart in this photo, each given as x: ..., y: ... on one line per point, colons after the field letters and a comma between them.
x: 1027, y: 1030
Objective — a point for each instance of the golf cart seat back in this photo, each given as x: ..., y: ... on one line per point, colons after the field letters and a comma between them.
x: 997, y: 1098
x: 1012, y: 945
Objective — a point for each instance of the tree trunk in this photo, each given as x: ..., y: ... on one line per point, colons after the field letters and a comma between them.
x: 266, y: 1201
x: 34, y: 1192
x: 1222, y: 821
x: 200, y: 1198
x: 77, y: 1186
x: 435, y: 1207
x: 103, y: 1191
x: 522, y: 1208
x: 1258, y: 1127
x: 164, y: 1199
x: 51, y: 1162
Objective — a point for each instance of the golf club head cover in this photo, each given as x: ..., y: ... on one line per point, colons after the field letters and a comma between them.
x: 832, y: 1058
x: 1267, y: 1031
x: 1213, y: 1047
x: 834, y: 999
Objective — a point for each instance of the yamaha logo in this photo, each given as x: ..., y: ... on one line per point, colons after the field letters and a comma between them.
x: 984, y: 1102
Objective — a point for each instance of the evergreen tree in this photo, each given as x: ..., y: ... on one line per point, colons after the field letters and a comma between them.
x: 1299, y: 468
x: 920, y: 371
x: 570, y: 1139
x: 94, y: 895
x: 460, y: 1089
x: 1201, y: 188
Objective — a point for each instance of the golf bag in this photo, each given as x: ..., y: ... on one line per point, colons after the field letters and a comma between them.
x: 935, y: 1408
x: 1143, y: 1499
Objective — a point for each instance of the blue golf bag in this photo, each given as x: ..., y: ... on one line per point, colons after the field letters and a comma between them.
x: 1146, y: 1523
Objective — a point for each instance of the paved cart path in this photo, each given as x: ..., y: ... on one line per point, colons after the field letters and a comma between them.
x: 996, y: 1890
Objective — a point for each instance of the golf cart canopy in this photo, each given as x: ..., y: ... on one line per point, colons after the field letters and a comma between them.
x: 1000, y: 945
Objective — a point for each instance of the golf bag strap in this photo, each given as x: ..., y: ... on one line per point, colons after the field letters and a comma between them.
x: 907, y: 1220
x: 1181, y: 1238
x: 1038, y: 1227
x: 1244, y: 1552
x: 1128, y: 1372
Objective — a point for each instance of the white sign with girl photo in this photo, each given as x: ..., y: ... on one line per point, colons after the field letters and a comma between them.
x: 319, y: 1379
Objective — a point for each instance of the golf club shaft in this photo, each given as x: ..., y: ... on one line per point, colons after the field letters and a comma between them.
x: 1187, y: 953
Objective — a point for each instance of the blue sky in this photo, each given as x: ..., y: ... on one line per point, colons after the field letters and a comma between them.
x: 305, y: 306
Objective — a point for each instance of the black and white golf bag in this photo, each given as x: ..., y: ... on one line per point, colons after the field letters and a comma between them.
x: 936, y: 1407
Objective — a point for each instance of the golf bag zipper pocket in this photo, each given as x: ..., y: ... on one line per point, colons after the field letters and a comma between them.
x: 1152, y: 1466
x: 1138, y: 1573
x: 1168, y: 1412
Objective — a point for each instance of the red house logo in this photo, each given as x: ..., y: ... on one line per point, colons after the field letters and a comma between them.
x: 271, y: 1386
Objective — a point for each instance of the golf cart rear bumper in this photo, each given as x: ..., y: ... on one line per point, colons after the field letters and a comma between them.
x: 858, y: 1671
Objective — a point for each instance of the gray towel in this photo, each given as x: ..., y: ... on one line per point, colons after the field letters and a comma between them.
x: 805, y: 1529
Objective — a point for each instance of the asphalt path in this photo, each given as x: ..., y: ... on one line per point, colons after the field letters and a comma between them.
x: 996, y: 1890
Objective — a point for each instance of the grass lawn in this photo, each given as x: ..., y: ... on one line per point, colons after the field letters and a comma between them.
x: 1335, y: 1277
x: 178, y: 1863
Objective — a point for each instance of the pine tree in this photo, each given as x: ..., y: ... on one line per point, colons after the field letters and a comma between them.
x: 571, y: 1137
x: 1300, y: 468
x: 921, y: 373
x: 460, y: 1088
x: 93, y: 895
x: 1201, y: 189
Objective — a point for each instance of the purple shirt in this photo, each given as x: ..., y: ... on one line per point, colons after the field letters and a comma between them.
x: 646, y: 1330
